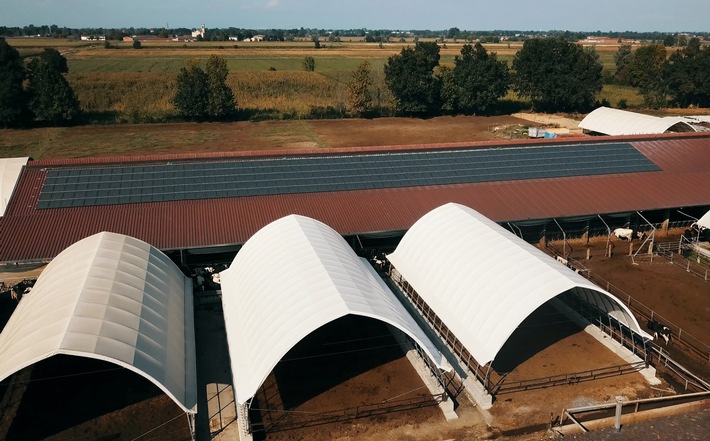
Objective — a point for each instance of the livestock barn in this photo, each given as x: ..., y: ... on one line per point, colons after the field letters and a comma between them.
x: 309, y: 214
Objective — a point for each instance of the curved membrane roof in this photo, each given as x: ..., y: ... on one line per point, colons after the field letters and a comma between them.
x: 704, y: 222
x: 483, y: 281
x: 292, y: 277
x: 10, y: 169
x: 114, y: 298
x: 620, y: 122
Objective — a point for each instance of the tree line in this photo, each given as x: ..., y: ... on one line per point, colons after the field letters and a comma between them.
x: 372, y: 35
x: 554, y: 74
x: 680, y: 79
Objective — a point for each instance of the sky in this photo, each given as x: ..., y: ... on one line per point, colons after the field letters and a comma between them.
x: 535, y: 15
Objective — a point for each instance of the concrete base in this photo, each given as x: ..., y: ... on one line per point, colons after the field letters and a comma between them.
x: 242, y: 416
x: 446, y: 405
x: 477, y: 393
x: 649, y: 373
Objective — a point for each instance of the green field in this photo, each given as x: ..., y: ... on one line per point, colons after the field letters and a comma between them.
x: 135, y: 85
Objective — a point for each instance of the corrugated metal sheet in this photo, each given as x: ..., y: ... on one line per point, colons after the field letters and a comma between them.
x: 29, y: 234
x: 677, y: 155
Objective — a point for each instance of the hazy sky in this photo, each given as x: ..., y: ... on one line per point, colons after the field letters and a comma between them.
x: 573, y: 15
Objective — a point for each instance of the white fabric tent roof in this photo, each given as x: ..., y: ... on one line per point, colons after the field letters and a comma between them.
x: 113, y: 298
x: 704, y: 222
x: 289, y: 279
x: 620, y: 122
x: 483, y: 281
x: 10, y: 169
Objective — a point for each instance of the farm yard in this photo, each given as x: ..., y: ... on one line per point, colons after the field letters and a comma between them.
x: 269, y: 82
x: 552, y: 345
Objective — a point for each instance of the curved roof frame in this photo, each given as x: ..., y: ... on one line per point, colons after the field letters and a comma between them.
x: 114, y: 298
x: 482, y: 280
x: 621, y: 122
x: 293, y: 276
x: 704, y: 221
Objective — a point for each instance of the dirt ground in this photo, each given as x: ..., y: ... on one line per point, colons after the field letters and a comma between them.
x: 679, y: 296
x: 142, y: 139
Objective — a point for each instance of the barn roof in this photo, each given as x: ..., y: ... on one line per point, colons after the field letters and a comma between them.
x: 679, y: 178
x: 483, y: 281
x: 113, y: 298
x: 292, y: 277
x: 10, y: 169
x: 615, y: 122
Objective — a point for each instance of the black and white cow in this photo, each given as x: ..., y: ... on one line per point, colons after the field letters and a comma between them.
x: 628, y: 234
x: 659, y: 328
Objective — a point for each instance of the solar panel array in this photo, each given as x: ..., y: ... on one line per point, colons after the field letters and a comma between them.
x: 161, y: 182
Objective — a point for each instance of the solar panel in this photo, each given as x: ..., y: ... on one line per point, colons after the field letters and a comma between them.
x: 162, y: 182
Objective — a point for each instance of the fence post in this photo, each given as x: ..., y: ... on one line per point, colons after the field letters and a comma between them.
x: 617, y: 414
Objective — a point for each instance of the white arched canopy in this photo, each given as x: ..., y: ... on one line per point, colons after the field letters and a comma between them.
x: 114, y: 298
x: 10, y: 169
x: 615, y: 122
x: 704, y: 222
x: 483, y: 281
x: 292, y: 277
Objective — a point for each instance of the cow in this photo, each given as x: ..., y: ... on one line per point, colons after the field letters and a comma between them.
x: 659, y: 328
x: 628, y: 234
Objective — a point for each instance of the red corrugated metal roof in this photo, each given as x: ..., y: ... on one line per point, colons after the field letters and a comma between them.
x: 30, y: 234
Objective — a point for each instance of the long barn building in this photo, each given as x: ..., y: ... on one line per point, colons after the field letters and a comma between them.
x: 203, y: 201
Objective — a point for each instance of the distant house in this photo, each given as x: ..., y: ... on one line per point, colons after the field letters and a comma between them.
x: 93, y: 37
x: 233, y: 38
x: 255, y: 38
x: 199, y: 32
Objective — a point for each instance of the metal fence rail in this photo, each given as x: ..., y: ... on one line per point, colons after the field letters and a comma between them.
x: 504, y: 386
x: 281, y: 420
x: 589, y: 414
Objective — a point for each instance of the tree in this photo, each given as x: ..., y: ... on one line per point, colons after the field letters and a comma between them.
x: 646, y: 72
x: 410, y: 77
x: 51, y: 99
x: 191, y: 95
x: 477, y: 81
x: 55, y: 59
x: 221, y: 102
x: 687, y: 75
x: 557, y: 75
x: 309, y: 64
x: 622, y: 59
x: 137, y: 44
x: 12, y: 96
x: 359, y: 96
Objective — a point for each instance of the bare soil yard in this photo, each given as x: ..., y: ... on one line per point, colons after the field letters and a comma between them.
x: 144, y: 139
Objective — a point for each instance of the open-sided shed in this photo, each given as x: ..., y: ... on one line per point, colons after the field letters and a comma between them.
x: 608, y: 121
x: 292, y: 277
x: 483, y: 281
x: 113, y: 298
